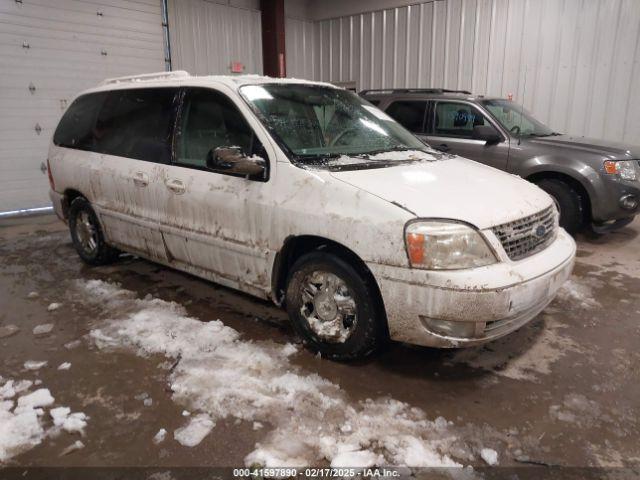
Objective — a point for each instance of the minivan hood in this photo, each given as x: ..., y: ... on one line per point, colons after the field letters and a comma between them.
x: 601, y: 148
x: 454, y: 188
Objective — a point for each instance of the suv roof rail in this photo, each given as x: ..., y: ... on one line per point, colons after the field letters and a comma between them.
x: 413, y: 90
x: 146, y: 77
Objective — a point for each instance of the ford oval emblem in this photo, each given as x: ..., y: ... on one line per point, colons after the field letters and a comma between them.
x: 540, y: 231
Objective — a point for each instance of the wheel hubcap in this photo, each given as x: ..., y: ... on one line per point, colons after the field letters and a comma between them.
x: 86, y: 232
x: 328, y: 306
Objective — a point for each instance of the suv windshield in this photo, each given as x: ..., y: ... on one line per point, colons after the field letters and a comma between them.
x: 316, y: 122
x: 516, y: 119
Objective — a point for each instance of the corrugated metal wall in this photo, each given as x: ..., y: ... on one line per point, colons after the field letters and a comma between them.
x: 301, y: 48
x: 207, y: 36
x: 574, y: 63
x: 49, y: 51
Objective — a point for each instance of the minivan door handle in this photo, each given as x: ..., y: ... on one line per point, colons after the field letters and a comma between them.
x: 176, y: 186
x: 140, y: 179
x: 443, y: 147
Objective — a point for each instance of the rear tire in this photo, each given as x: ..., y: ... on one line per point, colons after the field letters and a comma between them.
x: 87, y: 236
x: 568, y: 201
x: 333, y: 308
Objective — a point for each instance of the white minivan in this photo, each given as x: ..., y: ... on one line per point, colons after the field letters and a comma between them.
x: 306, y: 194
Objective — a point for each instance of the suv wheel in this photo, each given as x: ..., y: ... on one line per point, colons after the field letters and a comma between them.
x: 568, y: 201
x: 87, y: 236
x: 333, y: 308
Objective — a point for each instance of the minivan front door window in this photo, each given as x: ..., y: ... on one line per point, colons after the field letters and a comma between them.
x: 209, y: 121
x: 315, y: 123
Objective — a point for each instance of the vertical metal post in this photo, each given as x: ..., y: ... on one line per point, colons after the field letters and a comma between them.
x: 273, y: 40
x: 165, y: 32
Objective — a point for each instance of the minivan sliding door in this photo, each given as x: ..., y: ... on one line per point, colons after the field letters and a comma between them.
x: 133, y: 133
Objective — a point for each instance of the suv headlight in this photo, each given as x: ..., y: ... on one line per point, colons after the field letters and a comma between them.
x: 626, y: 169
x: 442, y: 245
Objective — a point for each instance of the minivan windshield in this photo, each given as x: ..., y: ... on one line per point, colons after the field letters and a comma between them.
x: 516, y: 119
x: 317, y: 122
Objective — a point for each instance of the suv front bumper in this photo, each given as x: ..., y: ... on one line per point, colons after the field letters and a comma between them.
x: 607, y: 201
x: 487, y: 302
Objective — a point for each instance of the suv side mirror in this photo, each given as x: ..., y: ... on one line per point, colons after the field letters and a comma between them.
x: 234, y: 161
x: 488, y: 133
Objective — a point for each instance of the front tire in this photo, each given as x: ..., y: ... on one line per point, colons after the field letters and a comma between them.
x: 87, y: 236
x: 334, y: 308
x: 568, y: 201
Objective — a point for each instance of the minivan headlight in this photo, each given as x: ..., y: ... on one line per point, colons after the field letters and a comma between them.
x: 441, y: 245
x: 626, y: 169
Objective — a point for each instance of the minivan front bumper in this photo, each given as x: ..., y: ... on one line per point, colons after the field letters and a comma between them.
x: 463, y: 308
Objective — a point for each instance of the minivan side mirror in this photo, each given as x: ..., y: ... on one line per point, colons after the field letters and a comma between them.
x: 488, y: 133
x: 234, y: 161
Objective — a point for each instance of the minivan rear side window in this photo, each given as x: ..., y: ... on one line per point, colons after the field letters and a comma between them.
x: 136, y: 124
x: 75, y: 129
x: 409, y: 114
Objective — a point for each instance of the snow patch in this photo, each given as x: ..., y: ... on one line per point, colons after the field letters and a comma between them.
x: 195, y: 431
x: 578, y: 409
x: 490, y: 456
x: 160, y: 436
x: 59, y: 415
x: 8, y: 330
x: 21, y: 428
x: 578, y: 294
x: 72, y: 344
x: 43, y: 329
x: 522, y: 358
x: 392, y: 155
x: 64, y: 366
x: 359, y: 458
x: 12, y: 388
x: 75, y: 423
x: 40, y: 398
x: 53, y: 306
x: 34, y: 365
x: 19, y: 432
x: 77, y: 445
x: 222, y: 376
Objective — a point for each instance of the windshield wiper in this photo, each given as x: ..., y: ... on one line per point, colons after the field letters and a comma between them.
x: 317, y: 157
x: 537, y: 135
x: 384, y: 150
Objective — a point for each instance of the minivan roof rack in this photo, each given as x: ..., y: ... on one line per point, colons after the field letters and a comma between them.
x: 147, y: 77
x: 413, y: 90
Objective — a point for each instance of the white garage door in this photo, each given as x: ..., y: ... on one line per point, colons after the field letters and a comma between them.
x: 49, y: 51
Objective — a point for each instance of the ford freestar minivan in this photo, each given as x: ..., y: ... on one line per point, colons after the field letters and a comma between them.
x: 306, y: 194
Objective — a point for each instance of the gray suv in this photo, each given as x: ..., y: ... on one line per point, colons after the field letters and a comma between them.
x: 594, y: 183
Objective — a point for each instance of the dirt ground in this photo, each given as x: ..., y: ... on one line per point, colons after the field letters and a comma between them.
x: 563, y: 390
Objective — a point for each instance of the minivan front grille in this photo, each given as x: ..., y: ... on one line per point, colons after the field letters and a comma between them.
x: 528, y: 235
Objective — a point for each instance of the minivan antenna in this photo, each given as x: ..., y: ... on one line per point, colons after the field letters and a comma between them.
x: 524, y: 91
